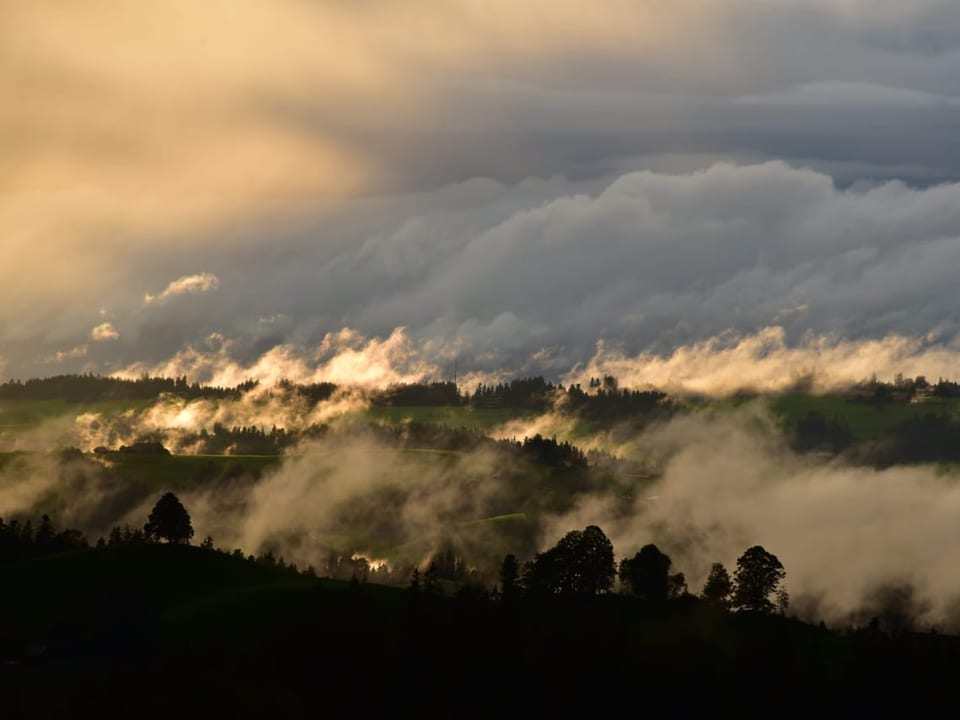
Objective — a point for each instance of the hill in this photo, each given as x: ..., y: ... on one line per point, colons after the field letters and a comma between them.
x: 155, y: 630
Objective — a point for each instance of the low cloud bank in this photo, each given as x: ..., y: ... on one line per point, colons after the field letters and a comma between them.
x: 344, y: 357
x: 846, y: 535
x: 765, y: 361
x: 855, y: 541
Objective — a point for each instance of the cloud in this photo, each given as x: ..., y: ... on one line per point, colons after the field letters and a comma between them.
x: 78, y: 351
x: 175, y: 421
x: 724, y: 482
x: 276, y: 318
x: 764, y: 361
x: 104, y: 332
x: 356, y: 158
x: 654, y: 261
x: 344, y: 357
x: 507, y: 185
x: 527, y: 277
x: 841, y: 532
x: 838, y: 94
x: 188, y: 284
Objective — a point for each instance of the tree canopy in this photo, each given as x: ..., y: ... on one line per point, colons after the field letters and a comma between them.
x: 718, y: 587
x: 647, y: 575
x: 169, y: 520
x: 759, y: 575
x: 510, y: 578
x: 580, y: 563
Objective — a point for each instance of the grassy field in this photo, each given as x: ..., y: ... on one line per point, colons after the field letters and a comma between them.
x: 866, y: 420
x: 29, y: 414
x: 26, y: 414
x: 184, y: 471
x: 461, y: 416
x: 45, y: 424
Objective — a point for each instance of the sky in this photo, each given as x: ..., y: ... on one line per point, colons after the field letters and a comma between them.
x: 367, y: 190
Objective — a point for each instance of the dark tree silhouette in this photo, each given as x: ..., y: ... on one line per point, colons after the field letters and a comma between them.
x: 758, y: 576
x: 46, y: 534
x: 19, y: 541
x: 169, y: 521
x: 676, y: 585
x: 718, y: 587
x: 581, y: 563
x: 509, y: 578
x: 647, y: 575
x: 85, y: 388
x: 431, y: 580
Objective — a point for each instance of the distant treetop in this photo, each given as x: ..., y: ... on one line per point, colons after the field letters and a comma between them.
x: 92, y: 388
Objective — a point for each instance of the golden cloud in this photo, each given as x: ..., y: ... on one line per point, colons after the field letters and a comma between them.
x: 764, y: 361
x: 188, y: 284
x: 104, y: 332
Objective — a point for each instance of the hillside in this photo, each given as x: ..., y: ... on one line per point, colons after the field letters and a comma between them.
x: 153, y: 629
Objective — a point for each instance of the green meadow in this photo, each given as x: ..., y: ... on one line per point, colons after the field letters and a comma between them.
x: 451, y: 416
x: 30, y: 414
x: 183, y: 472
x: 47, y: 424
x: 38, y: 425
x: 866, y: 420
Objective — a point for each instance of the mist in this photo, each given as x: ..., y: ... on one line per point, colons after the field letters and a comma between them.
x: 420, y: 295
x: 845, y: 534
x: 176, y: 422
x: 853, y: 540
x: 350, y: 491
x: 766, y: 360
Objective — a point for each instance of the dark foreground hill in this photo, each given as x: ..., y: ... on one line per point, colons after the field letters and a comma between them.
x: 174, y: 631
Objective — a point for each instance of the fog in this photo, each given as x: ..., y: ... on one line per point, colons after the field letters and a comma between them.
x: 855, y: 541
x: 843, y: 533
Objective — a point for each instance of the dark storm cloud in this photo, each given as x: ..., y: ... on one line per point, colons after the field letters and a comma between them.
x: 468, y: 171
x: 499, y: 273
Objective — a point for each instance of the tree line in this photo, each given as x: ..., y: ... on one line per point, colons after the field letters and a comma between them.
x: 927, y: 438
x: 530, y: 393
x: 582, y: 564
x: 95, y: 388
x: 604, y: 400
